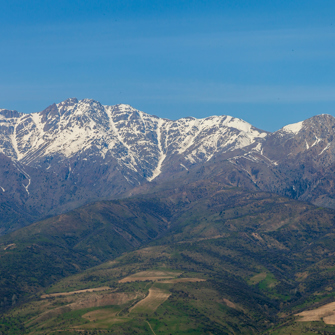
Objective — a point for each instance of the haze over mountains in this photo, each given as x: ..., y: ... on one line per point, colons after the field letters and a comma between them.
x: 76, y: 152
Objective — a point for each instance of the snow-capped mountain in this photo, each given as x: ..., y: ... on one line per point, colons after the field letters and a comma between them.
x: 140, y: 143
x: 297, y: 161
x: 75, y: 152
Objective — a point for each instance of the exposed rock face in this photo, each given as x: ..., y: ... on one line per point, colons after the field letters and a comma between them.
x: 80, y: 151
x: 296, y: 161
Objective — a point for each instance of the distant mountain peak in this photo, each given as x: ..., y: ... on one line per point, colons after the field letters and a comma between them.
x: 142, y: 146
x: 140, y: 142
x: 293, y: 128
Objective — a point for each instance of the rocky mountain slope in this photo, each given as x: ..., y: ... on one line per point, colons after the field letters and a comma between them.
x: 296, y: 161
x: 76, y: 152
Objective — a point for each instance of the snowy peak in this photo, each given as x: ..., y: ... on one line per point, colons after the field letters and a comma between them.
x: 314, y: 136
x: 293, y: 128
x: 200, y: 139
x: 81, y: 150
x: 139, y: 142
x: 323, y: 123
x: 143, y: 146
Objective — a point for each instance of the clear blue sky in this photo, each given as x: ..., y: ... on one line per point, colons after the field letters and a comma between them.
x: 268, y: 62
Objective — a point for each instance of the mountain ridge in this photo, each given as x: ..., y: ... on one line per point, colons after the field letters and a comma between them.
x: 43, y: 133
x: 79, y: 151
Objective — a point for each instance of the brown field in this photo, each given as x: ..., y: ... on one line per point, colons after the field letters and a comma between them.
x: 104, y: 288
x: 93, y: 299
x: 10, y: 246
x: 230, y: 304
x: 182, y: 280
x: 325, y: 313
x: 154, y: 299
x: 100, y: 300
x: 150, y: 275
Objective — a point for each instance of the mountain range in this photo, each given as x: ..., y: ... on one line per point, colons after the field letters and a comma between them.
x: 204, y: 226
x: 76, y: 152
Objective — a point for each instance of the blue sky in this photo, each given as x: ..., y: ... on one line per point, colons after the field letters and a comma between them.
x: 268, y: 62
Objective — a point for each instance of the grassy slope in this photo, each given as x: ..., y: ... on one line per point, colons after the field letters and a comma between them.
x: 39, y: 254
x: 264, y: 254
x: 227, y: 302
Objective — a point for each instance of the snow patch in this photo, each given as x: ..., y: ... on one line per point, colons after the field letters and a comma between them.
x: 317, y: 140
x: 20, y: 169
x: 162, y: 155
x: 258, y: 148
x: 307, y: 146
x: 327, y: 146
x: 293, y: 128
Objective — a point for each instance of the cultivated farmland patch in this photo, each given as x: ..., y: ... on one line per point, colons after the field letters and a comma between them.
x: 150, y: 275
x: 182, y: 280
x: 325, y: 313
x: 154, y: 299
x: 104, y: 288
